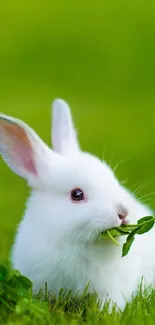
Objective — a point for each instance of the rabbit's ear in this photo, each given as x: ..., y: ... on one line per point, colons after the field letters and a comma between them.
x: 64, y: 139
x: 20, y: 147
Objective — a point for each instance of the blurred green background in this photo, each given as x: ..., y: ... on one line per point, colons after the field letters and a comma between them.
x: 100, y: 57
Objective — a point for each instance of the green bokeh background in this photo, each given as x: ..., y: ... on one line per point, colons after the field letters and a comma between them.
x: 100, y: 57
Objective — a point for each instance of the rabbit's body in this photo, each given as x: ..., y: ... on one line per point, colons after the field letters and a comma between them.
x: 75, y: 197
x: 72, y: 264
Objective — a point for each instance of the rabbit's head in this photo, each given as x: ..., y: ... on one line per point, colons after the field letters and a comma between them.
x: 75, y: 195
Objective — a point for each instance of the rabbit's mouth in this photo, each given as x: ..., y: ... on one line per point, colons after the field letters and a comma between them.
x: 124, y: 222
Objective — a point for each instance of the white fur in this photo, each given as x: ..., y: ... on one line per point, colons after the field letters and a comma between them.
x: 55, y: 239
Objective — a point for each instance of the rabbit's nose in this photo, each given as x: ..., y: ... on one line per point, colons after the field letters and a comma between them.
x: 122, y: 213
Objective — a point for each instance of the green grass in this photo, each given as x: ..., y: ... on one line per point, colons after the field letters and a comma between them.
x: 16, y: 303
x: 100, y: 58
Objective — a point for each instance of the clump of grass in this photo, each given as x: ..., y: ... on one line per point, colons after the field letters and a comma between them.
x: 18, y: 306
x: 16, y: 298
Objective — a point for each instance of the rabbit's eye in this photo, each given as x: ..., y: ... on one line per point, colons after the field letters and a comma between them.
x: 77, y: 195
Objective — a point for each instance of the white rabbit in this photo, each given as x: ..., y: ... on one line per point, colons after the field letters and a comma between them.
x: 75, y: 196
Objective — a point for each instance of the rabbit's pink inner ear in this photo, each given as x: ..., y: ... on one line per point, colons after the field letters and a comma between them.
x: 18, y: 146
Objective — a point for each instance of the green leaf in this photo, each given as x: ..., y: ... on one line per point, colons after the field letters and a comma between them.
x: 145, y: 227
x: 112, y: 238
x: 12, y: 274
x: 114, y: 233
x: 127, y: 245
x: 21, y: 307
x: 127, y: 227
x: 3, y: 272
x: 26, y: 283
x: 144, y: 219
x: 16, y: 273
x: 122, y: 232
x: 119, y: 231
x: 13, y: 282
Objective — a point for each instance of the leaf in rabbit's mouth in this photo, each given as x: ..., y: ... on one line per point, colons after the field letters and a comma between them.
x: 143, y: 225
